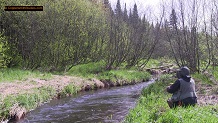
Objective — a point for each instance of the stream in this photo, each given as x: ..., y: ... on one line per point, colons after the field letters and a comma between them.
x: 104, y: 105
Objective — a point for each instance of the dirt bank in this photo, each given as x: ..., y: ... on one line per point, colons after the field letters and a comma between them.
x: 207, y: 94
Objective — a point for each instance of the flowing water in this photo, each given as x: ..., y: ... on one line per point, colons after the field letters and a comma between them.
x: 104, y: 105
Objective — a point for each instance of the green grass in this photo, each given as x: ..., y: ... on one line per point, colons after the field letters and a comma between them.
x: 124, y: 75
x: 154, y: 63
x: 9, y: 74
x: 28, y: 100
x: 203, y: 78
x: 206, y: 114
x: 69, y: 90
x: 96, y: 70
x: 214, y: 71
x: 88, y: 70
x: 152, y: 107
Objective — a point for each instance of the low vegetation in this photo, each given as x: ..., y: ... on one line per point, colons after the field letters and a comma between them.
x: 152, y: 107
x: 28, y: 101
x: 12, y: 74
x: 97, y: 70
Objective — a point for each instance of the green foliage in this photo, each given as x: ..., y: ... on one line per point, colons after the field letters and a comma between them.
x: 69, y: 89
x: 5, y: 106
x: 87, y: 70
x: 204, y: 79
x: 97, y: 70
x: 206, y: 114
x: 214, y: 72
x: 9, y: 74
x: 66, y: 32
x: 124, y: 75
x: 152, y: 107
x: 152, y: 63
x: 5, y: 58
x: 28, y: 100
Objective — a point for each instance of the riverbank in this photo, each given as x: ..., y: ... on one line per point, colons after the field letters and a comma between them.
x: 152, y: 105
x: 26, y: 90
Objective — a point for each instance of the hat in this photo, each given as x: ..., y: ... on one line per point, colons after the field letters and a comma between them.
x: 184, y: 71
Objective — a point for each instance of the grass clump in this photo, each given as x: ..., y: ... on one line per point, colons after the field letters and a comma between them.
x: 152, y: 107
x: 12, y: 74
x: 28, y: 100
x: 124, y: 75
x: 70, y: 90
x: 88, y: 70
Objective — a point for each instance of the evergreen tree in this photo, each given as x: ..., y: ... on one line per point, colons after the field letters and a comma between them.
x: 135, y: 16
x: 130, y: 16
x: 173, y: 20
x: 118, y: 10
x: 108, y: 7
x: 125, y: 15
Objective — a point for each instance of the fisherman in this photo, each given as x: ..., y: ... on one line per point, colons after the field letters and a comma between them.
x: 183, y: 90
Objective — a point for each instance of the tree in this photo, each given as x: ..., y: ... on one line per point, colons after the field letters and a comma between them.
x: 125, y: 15
x: 118, y: 10
x: 135, y: 17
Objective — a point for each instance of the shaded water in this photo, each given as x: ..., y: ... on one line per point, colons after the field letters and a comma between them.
x: 104, y: 105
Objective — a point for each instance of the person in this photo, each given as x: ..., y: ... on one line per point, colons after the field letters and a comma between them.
x: 182, y: 90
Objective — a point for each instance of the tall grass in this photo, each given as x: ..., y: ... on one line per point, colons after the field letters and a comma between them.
x: 203, y: 79
x: 70, y: 90
x: 9, y: 74
x: 124, y: 75
x: 28, y: 100
x: 214, y: 71
x: 88, y: 70
x: 206, y: 114
x: 152, y: 107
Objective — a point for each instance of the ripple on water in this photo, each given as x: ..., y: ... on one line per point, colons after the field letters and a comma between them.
x: 106, y: 105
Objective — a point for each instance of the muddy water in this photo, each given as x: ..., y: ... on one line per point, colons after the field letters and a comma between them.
x: 105, y: 105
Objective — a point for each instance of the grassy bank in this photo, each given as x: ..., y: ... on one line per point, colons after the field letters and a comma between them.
x: 119, y: 76
x: 24, y: 102
x: 12, y: 74
x: 152, y: 107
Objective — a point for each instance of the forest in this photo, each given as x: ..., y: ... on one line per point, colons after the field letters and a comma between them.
x: 92, y: 35
x: 68, y: 33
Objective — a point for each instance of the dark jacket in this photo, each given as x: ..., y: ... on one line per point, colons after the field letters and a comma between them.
x: 186, y: 90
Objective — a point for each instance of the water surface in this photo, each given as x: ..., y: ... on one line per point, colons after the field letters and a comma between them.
x: 104, y: 105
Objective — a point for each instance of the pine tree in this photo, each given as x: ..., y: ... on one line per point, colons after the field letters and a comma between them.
x: 135, y: 16
x: 173, y: 20
x: 118, y: 10
x: 108, y: 7
x: 130, y: 16
x: 125, y: 15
